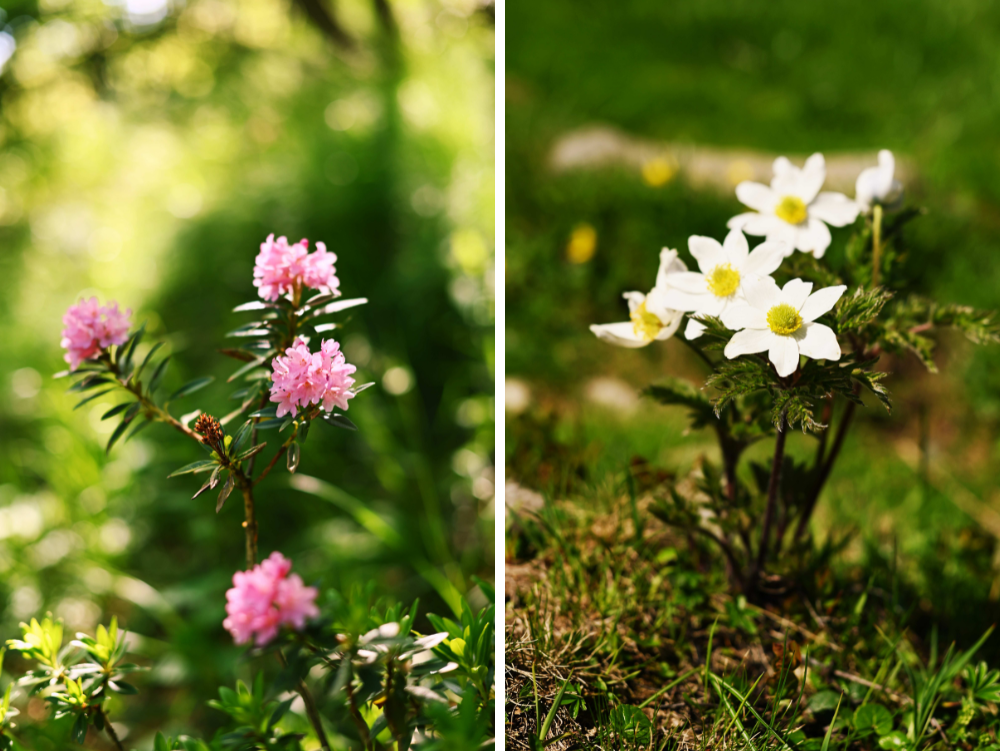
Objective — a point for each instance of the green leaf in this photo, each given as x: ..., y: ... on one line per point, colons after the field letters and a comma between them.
x: 256, y: 362
x: 339, y: 421
x: 823, y: 701
x: 872, y: 380
x: 130, y: 347
x: 92, y: 397
x: 121, y: 687
x: 253, y: 305
x: 631, y: 724
x: 252, y: 451
x: 240, y: 437
x: 119, y: 431
x: 871, y: 718
x: 157, y: 376
x: 855, y: 311
x: 224, y: 493
x: 161, y: 743
x: 139, y: 426
x: 190, y: 387
x: 269, y: 424
x: 676, y: 391
x: 894, y: 740
x: 269, y: 411
x: 147, y: 358
x: 116, y: 410
x: 80, y: 728
x: 85, y: 384
x: 202, y: 465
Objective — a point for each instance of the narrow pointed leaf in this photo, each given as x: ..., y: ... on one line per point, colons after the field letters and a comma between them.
x: 154, y: 382
x: 190, y: 387
x: 117, y: 410
x: 146, y: 359
x: 224, y: 493
x: 119, y: 431
x: 252, y: 451
x: 202, y: 465
x: 140, y: 426
x: 92, y: 397
x: 339, y: 421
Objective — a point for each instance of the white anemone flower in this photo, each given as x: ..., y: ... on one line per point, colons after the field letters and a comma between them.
x: 782, y: 322
x: 724, y: 268
x: 651, y: 318
x: 792, y: 208
x: 877, y: 185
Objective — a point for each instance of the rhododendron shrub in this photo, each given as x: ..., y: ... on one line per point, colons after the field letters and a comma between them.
x: 378, y: 677
x: 790, y: 340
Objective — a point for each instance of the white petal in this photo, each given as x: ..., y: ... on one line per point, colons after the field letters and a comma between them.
x: 670, y: 264
x: 784, y: 353
x: 811, y: 179
x: 707, y: 251
x: 749, y: 342
x: 765, y: 259
x: 813, y: 238
x: 786, y: 178
x: 659, y: 306
x: 713, y: 306
x: 817, y: 341
x: 820, y: 302
x: 676, y: 299
x: 671, y: 328
x: 741, y: 315
x: 755, y: 224
x: 635, y: 299
x: 736, y: 248
x: 757, y: 196
x: 762, y: 293
x: 619, y: 334
x: 835, y: 209
x: 865, y: 188
x: 886, y: 171
x: 694, y: 329
x: 786, y: 234
x: 688, y: 281
x: 795, y: 292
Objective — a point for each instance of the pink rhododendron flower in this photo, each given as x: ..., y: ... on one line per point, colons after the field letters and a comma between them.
x: 265, y: 598
x: 92, y: 327
x: 281, y: 268
x: 300, y: 378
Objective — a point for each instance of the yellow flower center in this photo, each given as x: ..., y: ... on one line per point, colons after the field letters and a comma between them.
x: 784, y: 319
x: 645, y: 324
x: 724, y: 280
x: 791, y: 209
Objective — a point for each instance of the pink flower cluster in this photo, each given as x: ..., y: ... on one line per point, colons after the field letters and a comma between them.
x: 265, y: 598
x: 281, y: 268
x: 300, y: 378
x: 91, y: 327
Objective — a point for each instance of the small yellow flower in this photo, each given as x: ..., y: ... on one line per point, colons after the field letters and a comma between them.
x: 582, y: 244
x: 658, y: 171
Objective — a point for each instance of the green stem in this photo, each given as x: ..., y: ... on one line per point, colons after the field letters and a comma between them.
x: 311, y: 711
x: 876, y: 244
x: 110, y: 730
x: 772, y: 498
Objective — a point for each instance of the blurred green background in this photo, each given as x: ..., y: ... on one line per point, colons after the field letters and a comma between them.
x: 147, y: 148
x: 734, y: 81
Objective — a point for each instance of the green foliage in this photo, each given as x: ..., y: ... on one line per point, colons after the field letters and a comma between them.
x: 676, y: 391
